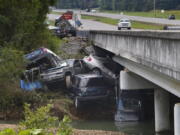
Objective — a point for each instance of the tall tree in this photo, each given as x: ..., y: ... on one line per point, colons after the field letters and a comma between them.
x: 22, y: 23
x: 128, y: 5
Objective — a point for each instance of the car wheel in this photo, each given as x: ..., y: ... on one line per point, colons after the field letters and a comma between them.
x: 119, y: 28
x: 96, y: 71
x: 68, y: 81
x: 129, y: 28
x: 77, y: 103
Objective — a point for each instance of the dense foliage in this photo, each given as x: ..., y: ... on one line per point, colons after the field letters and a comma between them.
x: 22, y: 23
x: 120, y: 5
x: 77, y: 4
x: 40, y: 122
x: 38, y: 119
x: 22, y: 29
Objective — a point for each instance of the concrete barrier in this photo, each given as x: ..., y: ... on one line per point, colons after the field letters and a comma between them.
x: 82, y: 33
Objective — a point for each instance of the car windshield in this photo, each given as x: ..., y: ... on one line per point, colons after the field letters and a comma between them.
x: 124, y: 21
x: 86, y: 82
x: 62, y: 64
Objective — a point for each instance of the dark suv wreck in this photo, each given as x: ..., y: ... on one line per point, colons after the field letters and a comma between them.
x: 90, y: 87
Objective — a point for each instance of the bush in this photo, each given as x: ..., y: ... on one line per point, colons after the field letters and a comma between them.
x: 39, y: 119
x: 40, y: 122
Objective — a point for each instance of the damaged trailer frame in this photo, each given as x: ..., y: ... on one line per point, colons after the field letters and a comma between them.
x: 68, y: 23
x: 37, y: 61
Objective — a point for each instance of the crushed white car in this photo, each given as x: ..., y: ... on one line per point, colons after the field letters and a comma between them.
x: 103, y: 66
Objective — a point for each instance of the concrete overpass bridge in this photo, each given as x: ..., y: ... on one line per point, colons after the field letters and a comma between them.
x: 152, y: 60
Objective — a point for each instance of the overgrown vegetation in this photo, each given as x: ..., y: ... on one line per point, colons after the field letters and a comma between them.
x: 23, y: 29
x: 135, y: 24
x: 40, y: 122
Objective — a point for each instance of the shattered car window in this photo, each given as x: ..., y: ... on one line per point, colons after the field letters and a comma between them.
x: 63, y: 64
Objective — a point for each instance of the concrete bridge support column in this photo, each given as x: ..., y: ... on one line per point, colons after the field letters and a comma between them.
x: 161, y: 102
x: 177, y: 119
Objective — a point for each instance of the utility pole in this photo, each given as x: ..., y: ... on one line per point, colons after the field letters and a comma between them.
x: 154, y: 8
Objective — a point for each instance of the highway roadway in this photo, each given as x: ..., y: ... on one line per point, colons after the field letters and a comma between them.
x: 89, y: 24
x: 135, y: 18
x: 94, y: 25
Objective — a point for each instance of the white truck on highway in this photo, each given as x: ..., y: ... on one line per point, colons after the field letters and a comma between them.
x: 124, y: 23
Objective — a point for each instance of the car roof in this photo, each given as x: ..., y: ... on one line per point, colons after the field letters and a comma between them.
x: 88, y: 76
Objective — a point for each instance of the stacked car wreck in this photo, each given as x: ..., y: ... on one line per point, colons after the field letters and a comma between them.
x: 66, y: 25
x: 44, y: 70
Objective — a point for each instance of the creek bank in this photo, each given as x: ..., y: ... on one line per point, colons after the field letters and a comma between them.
x: 75, y: 131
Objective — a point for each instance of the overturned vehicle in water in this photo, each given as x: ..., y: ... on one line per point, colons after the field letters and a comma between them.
x: 90, y: 87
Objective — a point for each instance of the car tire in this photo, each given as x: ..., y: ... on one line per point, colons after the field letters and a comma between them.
x: 119, y: 28
x: 96, y: 71
x: 68, y: 81
x: 129, y: 28
x: 77, y: 103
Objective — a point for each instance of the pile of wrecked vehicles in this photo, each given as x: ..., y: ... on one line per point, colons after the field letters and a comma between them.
x: 66, y: 25
x: 92, y: 78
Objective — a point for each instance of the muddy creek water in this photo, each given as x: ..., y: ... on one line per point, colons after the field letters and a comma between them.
x: 130, y: 128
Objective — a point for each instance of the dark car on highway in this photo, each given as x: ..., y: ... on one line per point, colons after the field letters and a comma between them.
x: 172, y: 17
x: 90, y: 87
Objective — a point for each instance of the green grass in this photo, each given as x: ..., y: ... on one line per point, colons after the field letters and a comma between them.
x: 135, y: 24
x: 56, y: 13
x: 51, y: 22
x: 150, y: 13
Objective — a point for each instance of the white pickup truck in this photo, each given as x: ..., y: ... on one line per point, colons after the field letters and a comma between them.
x: 124, y: 23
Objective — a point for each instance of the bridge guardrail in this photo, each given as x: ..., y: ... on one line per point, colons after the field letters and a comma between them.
x: 83, y: 33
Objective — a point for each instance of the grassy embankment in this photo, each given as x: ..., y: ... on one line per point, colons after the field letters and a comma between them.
x: 135, y: 24
x: 150, y: 13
